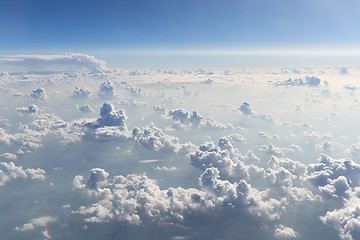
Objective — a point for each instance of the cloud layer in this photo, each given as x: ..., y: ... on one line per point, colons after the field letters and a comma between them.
x: 166, y: 154
x: 69, y: 62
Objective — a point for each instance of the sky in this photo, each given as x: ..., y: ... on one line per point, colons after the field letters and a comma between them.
x: 108, y: 26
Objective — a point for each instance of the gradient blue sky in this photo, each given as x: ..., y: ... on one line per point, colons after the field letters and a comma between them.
x: 48, y: 26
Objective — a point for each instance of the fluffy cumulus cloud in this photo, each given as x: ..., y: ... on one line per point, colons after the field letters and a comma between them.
x: 38, y: 94
x: 9, y: 171
x: 107, y: 90
x: 154, y: 138
x: 347, y: 218
x: 135, y: 198
x: 81, y: 93
x: 282, y: 232
x: 247, y: 110
x: 32, y: 109
x: 85, y: 108
x: 183, y: 118
x: 110, y: 117
x: 36, y: 222
x: 109, y: 126
x: 307, y: 81
x: 88, y: 152
x: 224, y: 157
x: 334, y: 177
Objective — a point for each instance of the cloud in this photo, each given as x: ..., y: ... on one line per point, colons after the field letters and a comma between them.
x: 307, y: 81
x: 224, y: 157
x: 354, y: 150
x: 36, y: 222
x: 85, y: 108
x: 38, y: 94
x: 343, y: 71
x: 29, y: 110
x: 334, y: 177
x: 160, y: 109
x: 346, y: 219
x: 325, y: 146
x: 134, y: 198
x: 351, y: 88
x: 107, y: 90
x: 285, y: 178
x: 110, y: 117
x: 155, y: 139
x: 9, y: 171
x: 207, y: 81
x: 167, y: 169
x: 5, y: 137
x: 283, y: 232
x: 136, y: 91
x: 44, y: 64
x: 132, y: 102
x: 97, y: 178
x: 110, y: 126
x: 247, y: 110
x: 8, y: 156
x: 272, y: 150
x: 81, y: 93
x: 146, y: 165
x: 184, y: 118
x: 204, y: 72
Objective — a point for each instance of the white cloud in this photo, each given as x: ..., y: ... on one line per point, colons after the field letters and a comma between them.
x: 107, y: 90
x: 207, y: 81
x: 110, y: 117
x: 156, y: 179
x: 334, y: 177
x: 38, y: 94
x: 272, y: 150
x: 346, y: 219
x: 184, y: 118
x: 134, y: 198
x: 81, y: 93
x: 160, y: 109
x: 167, y: 169
x: 354, y: 150
x: 36, y: 223
x: 247, y: 110
x: 154, y: 138
x: 31, y: 109
x: 69, y: 62
x: 283, y: 232
x: 9, y: 156
x: 9, y: 171
x: 85, y: 108
x: 224, y: 157
x: 307, y: 81
x: 133, y: 102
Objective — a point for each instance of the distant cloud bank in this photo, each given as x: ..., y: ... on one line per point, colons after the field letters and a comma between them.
x: 69, y: 62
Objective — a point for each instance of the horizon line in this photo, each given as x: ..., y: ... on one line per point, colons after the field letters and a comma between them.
x: 312, y: 51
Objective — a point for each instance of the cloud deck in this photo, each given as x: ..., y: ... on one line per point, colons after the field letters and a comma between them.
x: 92, y: 152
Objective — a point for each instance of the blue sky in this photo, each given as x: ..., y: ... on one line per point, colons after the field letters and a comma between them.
x: 105, y: 27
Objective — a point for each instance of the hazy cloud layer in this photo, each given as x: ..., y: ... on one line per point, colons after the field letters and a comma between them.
x: 92, y: 153
x: 53, y: 63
